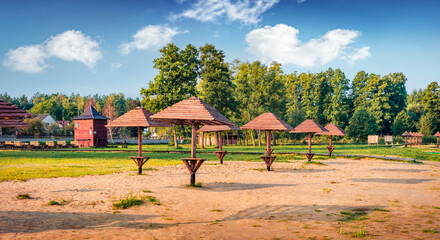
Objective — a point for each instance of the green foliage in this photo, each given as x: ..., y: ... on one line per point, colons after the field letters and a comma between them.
x: 431, y: 101
x: 216, y: 86
x: 403, y: 122
x: 362, y: 124
x: 53, y: 203
x: 127, y: 202
x: 23, y: 196
x: 53, y: 129
x: 36, y: 127
x: 176, y: 80
x: 352, y: 215
x: 196, y: 185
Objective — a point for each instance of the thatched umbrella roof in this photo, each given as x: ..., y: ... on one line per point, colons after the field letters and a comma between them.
x: 12, y: 116
x: 267, y: 121
x: 437, y: 134
x: 192, y: 111
x: 333, y: 130
x: 138, y: 117
x: 218, y: 128
x: 406, y: 134
x: 309, y: 126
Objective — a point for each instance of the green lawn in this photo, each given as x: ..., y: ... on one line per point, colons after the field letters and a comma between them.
x: 22, y: 165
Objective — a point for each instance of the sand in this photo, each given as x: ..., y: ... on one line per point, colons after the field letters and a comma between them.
x: 296, y: 201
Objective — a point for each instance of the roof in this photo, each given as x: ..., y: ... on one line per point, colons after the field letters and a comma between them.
x: 42, y: 116
x: 267, y: 121
x: 192, y: 111
x: 309, y: 126
x: 406, y: 134
x: 11, y: 116
x: 333, y: 130
x: 90, y: 113
x: 218, y: 128
x: 138, y: 117
x: 437, y: 134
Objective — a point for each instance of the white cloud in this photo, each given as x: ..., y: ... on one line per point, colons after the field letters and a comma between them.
x: 280, y: 43
x: 245, y: 11
x: 150, y: 37
x: 69, y: 46
x: 74, y: 46
x: 29, y: 59
x: 301, y: 1
x: 115, y: 65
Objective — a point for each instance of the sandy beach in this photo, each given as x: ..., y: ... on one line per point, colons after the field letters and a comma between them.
x: 237, y: 201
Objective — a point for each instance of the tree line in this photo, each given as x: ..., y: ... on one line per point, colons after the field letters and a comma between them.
x: 242, y: 90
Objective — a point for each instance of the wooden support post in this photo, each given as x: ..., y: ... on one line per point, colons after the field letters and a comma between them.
x: 220, y: 141
x: 193, y: 179
x: 310, y: 142
x: 194, y: 140
x: 139, y: 141
x: 268, y: 133
x: 203, y: 140
x: 437, y: 142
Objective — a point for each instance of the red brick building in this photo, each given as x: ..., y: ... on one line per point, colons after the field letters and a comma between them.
x: 89, y: 129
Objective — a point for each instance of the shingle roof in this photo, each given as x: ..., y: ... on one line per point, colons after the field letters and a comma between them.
x: 138, y: 117
x: 333, y: 130
x: 218, y: 128
x: 42, y: 116
x: 437, y: 134
x: 406, y: 134
x: 191, y: 110
x: 267, y: 121
x: 90, y: 113
x: 11, y: 116
x: 309, y: 126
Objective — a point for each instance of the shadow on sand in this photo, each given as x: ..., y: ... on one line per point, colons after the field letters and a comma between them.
x: 392, y: 180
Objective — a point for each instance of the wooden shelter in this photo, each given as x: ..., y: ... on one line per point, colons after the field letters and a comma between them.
x: 406, y: 135
x: 140, y: 118
x: 333, y: 130
x: 89, y: 129
x: 437, y: 134
x: 309, y: 126
x: 12, y: 116
x: 219, y: 128
x: 193, y: 111
x: 268, y: 122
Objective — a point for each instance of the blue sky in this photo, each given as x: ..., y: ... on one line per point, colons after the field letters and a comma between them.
x: 104, y: 47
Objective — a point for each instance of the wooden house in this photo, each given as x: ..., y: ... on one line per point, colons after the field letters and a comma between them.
x: 89, y: 129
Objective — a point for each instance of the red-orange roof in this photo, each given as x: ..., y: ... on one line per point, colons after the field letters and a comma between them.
x: 437, y: 134
x: 333, y: 130
x: 406, y: 134
x: 138, y: 117
x: 11, y: 116
x: 309, y: 126
x: 190, y: 111
x: 267, y: 121
x: 218, y: 128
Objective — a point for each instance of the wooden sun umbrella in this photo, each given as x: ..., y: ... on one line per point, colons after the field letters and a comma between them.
x: 140, y: 118
x: 219, y: 128
x: 193, y: 111
x: 437, y: 134
x: 268, y: 122
x: 12, y: 116
x: 309, y: 126
x: 333, y: 130
x: 421, y: 135
x: 406, y: 135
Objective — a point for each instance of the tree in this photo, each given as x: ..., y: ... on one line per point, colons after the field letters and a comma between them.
x: 216, y: 86
x: 362, y: 124
x: 176, y: 80
x: 337, y: 111
x: 403, y: 122
x: 36, y: 127
x: 431, y: 101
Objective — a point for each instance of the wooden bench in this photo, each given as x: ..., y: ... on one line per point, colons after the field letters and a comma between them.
x: 74, y: 144
x: 19, y: 144
x: 140, y: 161
x: 34, y: 144
x: 61, y: 144
x: 193, y: 164
x: 50, y: 144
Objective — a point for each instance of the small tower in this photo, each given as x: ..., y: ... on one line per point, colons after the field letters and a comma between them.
x: 90, y: 130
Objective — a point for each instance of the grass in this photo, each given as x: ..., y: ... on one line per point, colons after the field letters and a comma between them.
x: 152, y: 200
x: 352, y: 215
x: 315, y: 162
x: 380, y: 209
x: 196, y: 185
x: 362, y: 233
x: 429, y: 231
x: 24, y: 165
x: 127, y: 202
x: 258, y: 169
x: 23, y: 196
x: 216, y: 210
x: 51, y: 203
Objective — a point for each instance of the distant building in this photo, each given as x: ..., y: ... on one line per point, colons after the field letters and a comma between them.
x: 63, y: 123
x: 46, y: 118
x: 89, y: 129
